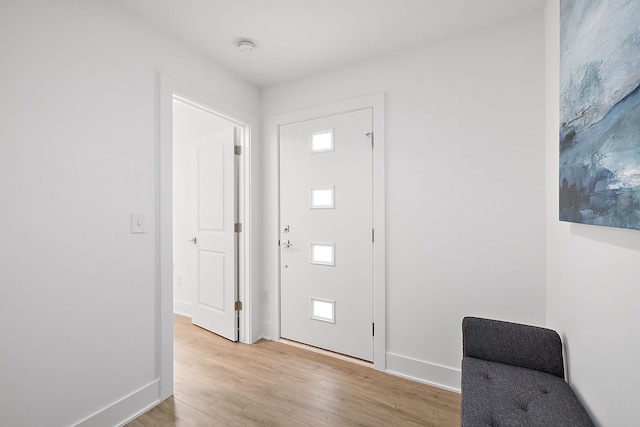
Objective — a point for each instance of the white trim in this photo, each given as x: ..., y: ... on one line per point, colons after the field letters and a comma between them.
x: 182, y: 308
x: 377, y: 103
x: 424, y: 372
x: 119, y: 413
x: 168, y: 88
x: 264, y: 326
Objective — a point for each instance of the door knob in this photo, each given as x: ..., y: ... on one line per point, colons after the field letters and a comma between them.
x: 286, y: 244
x: 194, y: 240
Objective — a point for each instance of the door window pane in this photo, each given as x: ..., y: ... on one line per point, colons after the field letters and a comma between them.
x: 322, y: 141
x: 323, y: 310
x: 322, y: 253
x: 322, y: 198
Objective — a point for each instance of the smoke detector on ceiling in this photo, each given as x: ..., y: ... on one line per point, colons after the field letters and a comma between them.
x: 246, y: 46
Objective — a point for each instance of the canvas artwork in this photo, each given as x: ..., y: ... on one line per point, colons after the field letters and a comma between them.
x: 600, y: 112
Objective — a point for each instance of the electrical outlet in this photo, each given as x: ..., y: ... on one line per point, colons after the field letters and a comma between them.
x: 179, y: 281
x: 265, y: 296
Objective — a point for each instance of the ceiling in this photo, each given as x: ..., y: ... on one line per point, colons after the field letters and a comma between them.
x: 296, y: 38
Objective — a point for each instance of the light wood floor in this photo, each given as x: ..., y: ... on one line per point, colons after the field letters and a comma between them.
x: 221, y: 383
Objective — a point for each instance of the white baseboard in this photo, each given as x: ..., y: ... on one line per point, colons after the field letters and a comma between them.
x: 182, y: 308
x: 424, y: 372
x: 265, y: 332
x: 125, y: 409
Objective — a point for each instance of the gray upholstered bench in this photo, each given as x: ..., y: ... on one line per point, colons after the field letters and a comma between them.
x: 513, y: 375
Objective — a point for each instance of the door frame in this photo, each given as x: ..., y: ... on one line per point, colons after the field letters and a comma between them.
x: 376, y: 102
x: 169, y: 87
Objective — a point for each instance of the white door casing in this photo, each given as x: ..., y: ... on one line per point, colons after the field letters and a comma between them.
x: 214, y: 238
x: 326, y: 215
x: 170, y: 89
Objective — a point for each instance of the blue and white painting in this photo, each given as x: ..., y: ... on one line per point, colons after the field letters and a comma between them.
x: 600, y: 112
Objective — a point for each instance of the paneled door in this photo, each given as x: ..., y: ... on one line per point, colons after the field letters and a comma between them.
x: 326, y: 236
x: 214, y: 238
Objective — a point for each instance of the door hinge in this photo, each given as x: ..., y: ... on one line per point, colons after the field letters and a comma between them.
x: 373, y: 235
x: 237, y: 150
x: 237, y: 227
x: 370, y: 135
x: 373, y: 329
x: 238, y: 306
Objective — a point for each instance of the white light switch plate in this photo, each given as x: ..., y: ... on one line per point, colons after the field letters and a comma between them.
x: 138, y: 223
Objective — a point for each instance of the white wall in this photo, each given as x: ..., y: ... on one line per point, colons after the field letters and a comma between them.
x: 592, y: 284
x: 78, y: 142
x: 78, y: 147
x: 465, y: 186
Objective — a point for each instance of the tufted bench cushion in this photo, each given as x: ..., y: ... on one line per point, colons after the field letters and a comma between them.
x: 510, y: 396
x: 513, y: 375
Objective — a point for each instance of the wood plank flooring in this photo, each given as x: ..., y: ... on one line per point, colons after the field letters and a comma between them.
x: 221, y: 383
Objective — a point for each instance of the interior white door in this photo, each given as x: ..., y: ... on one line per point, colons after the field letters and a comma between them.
x: 214, y: 237
x: 326, y: 238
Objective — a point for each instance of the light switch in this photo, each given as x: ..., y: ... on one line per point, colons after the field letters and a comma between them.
x: 138, y: 223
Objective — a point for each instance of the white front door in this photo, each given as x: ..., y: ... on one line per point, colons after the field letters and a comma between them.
x: 214, y: 237
x: 326, y: 216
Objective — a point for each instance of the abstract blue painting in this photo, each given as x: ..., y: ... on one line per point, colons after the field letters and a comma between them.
x: 600, y: 112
